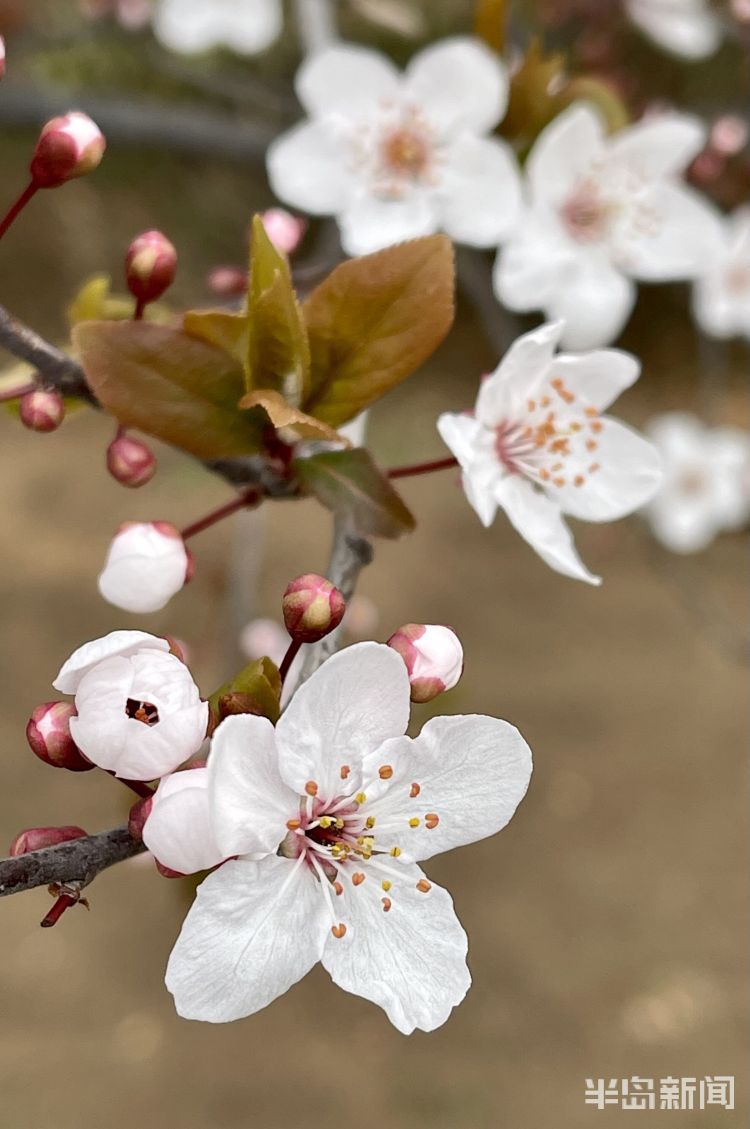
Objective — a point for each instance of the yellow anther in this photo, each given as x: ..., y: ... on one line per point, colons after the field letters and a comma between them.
x: 339, y: 824
x: 414, y: 822
x: 325, y: 822
x: 360, y: 798
x: 386, y: 885
x: 370, y: 822
x: 395, y: 852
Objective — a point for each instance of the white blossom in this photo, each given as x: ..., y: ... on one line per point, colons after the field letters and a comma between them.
x: 685, y: 27
x: 721, y: 296
x: 139, y: 713
x: 538, y: 446
x: 147, y: 563
x: 245, y: 26
x: 330, y: 814
x: 706, y: 487
x: 178, y: 828
x: 602, y: 211
x: 398, y: 156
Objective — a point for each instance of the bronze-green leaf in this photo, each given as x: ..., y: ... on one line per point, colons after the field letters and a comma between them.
x: 375, y: 320
x: 223, y: 328
x: 256, y: 689
x: 170, y: 385
x: 349, y: 483
x: 282, y: 415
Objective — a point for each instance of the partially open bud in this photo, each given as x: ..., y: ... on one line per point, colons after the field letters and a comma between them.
x: 433, y: 655
x: 35, y: 838
x: 146, y: 565
x: 312, y: 608
x: 41, y: 410
x: 48, y: 734
x: 150, y: 266
x: 68, y: 146
x: 285, y: 231
x: 130, y: 461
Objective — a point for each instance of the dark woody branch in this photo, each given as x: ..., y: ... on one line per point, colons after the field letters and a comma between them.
x: 76, y: 862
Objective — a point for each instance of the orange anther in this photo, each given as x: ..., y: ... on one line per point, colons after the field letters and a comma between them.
x: 592, y: 413
x: 345, y: 770
x: 579, y: 480
x: 558, y: 481
x: 591, y: 444
x: 338, y: 887
x: 431, y: 820
x: 414, y: 791
x: 424, y: 886
x: 385, y: 772
x: 294, y: 824
x: 594, y: 467
x: 596, y: 427
x: 338, y: 930
x: 544, y: 475
x: 576, y: 426
x: 358, y: 878
x: 311, y: 788
x: 531, y: 405
x: 386, y: 904
x: 545, y: 401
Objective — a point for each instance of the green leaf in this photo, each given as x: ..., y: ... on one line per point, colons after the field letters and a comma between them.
x: 278, y: 352
x: 169, y: 385
x: 96, y: 302
x: 374, y: 321
x: 222, y: 328
x: 349, y: 483
x: 256, y: 689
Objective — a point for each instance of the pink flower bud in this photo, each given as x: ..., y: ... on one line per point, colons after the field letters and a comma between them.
x: 130, y: 461
x: 729, y: 135
x: 2, y: 57
x: 433, y: 655
x: 285, y: 231
x: 228, y: 282
x: 41, y: 410
x: 35, y: 838
x: 146, y: 565
x: 139, y: 813
x: 48, y: 734
x: 150, y: 266
x: 68, y: 146
x: 312, y: 608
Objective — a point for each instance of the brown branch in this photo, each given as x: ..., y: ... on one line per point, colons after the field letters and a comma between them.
x: 55, y: 367
x: 77, y: 861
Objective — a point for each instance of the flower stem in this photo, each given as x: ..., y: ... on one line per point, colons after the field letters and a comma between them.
x: 246, y: 500
x: 9, y: 394
x: 59, y: 906
x: 140, y: 306
x: 421, y: 468
x: 289, y: 657
x: 140, y: 787
x: 18, y: 207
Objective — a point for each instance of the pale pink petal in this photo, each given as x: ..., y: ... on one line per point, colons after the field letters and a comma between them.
x: 628, y: 474
x: 369, y: 223
x: 460, y: 83
x: 83, y: 660
x: 308, y: 168
x: 599, y: 377
x: 684, y: 237
x: 564, y: 152
x: 479, y: 191
x: 178, y: 829
x: 346, y: 80
x: 659, y: 146
x: 540, y: 523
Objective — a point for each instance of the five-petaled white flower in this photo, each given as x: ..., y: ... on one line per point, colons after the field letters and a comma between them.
x: 245, y: 26
x: 395, y: 157
x: 721, y: 296
x: 706, y: 487
x: 336, y: 807
x: 537, y: 446
x: 684, y: 27
x: 139, y: 713
x: 601, y: 212
x: 147, y: 564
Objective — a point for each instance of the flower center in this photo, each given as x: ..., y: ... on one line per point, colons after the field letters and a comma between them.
x: 145, y: 712
x: 586, y: 215
x: 397, y: 151
x: 405, y: 152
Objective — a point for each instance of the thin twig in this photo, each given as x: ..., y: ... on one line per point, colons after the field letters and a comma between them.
x: 55, y: 367
x: 316, y: 24
x: 78, y: 860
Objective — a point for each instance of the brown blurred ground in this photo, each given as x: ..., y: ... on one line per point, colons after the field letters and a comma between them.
x: 607, y: 923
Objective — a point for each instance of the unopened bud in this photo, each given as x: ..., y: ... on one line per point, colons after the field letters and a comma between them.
x: 433, y: 655
x: 35, y: 838
x: 2, y: 57
x: 228, y: 282
x: 139, y: 813
x: 130, y: 461
x: 41, y: 410
x: 312, y: 608
x: 48, y: 734
x: 68, y: 146
x: 150, y: 266
x: 285, y: 231
x: 146, y: 565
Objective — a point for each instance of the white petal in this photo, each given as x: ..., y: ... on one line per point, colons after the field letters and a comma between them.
x: 595, y: 303
x: 351, y: 705
x: 540, y: 523
x: 728, y: 450
x: 249, y: 26
x: 346, y: 80
x: 687, y: 29
x: 504, y: 393
x: 460, y: 432
x: 355, y: 430
x: 682, y: 524
x: 534, y: 264
x: 308, y: 168
x: 659, y: 146
x: 90, y: 654
x: 629, y: 474
x: 564, y: 152
x: 184, y: 26
x: 460, y: 83
x: 479, y: 483
x: 686, y: 235
x: 250, y: 803
x: 410, y: 961
x: 254, y: 930
x: 472, y: 771
x: 178, y: 829
x: 598, y: 377
x: 369, y: 224
x: 479, y: 195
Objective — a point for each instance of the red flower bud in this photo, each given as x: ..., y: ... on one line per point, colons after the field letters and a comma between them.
x: 41, y: 410
x: 35, y: 838
x: 2, y: 57
x: 150, y: 266
x: 68, y: 146
x: 48, y: 734
x: 139, y: 813
x: 312, y: 608
x: 130, y: 461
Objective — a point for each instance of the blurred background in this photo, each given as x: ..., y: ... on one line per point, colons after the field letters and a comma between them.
x: 608, y: 922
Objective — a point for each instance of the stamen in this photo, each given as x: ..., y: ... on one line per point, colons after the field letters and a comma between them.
x: 294, y: 824
x: 358, y: 878
x: 311, y: 788
x: 338, y: 930
x: 431, y: 820
x: 424, y: 886
x: 360, y: 798
x: 385, y: 772
x: 338, y: 888
x: 414, y: 822
x: 387, y: 903
x: 395, y: 852
x: 386, y: 885
x: 415, y: 790
x: 344, y: 771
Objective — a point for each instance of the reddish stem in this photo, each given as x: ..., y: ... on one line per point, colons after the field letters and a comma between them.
x: 138, y: 786
x: 16, y: 209
x: 140, y: 307
x: 246, y: 500
x: 63, y: 902
x: 421, y: 468
x: 289, y: 657
x: 16, y: 393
